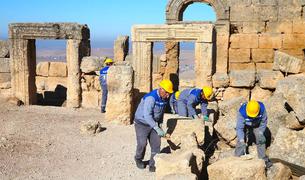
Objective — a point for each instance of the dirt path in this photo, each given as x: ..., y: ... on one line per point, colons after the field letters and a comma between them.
x: 45, y: 143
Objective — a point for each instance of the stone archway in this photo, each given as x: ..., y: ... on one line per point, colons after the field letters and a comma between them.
x: 174, y: 15
x: 23, y: 57
x: 175, y: 9
x: 143, y: 37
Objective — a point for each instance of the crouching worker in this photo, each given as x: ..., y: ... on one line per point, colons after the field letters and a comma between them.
x: 148, y: 120
x: 252, y: 117
x: 173, y: 102
x: 190, y: 98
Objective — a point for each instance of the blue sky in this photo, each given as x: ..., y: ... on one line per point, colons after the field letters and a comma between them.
x: 106, y: 18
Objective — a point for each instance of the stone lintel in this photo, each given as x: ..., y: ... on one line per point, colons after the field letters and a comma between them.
x: 48, y: 31
x: 200, y: 33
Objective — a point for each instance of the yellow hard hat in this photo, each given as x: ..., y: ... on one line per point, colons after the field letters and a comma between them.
x: 207, y: 91
x: 167, y: 85
x: 108, y: 60
x: 177, y: 94
x: 252, y: 108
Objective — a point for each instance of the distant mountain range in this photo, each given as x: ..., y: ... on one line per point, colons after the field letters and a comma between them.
x: 56, y: 54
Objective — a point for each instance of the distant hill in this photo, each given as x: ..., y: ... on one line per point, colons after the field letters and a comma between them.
x: 54, y: 54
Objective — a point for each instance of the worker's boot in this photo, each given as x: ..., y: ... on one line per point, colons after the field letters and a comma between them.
x: 140, y: 164
x: 103, y: 110
x: 152, y: 168
x: 268, y: 163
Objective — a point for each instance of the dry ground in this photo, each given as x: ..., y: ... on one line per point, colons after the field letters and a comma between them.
x: 39, y: 142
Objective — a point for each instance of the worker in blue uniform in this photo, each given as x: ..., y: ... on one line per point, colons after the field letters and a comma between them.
x: 148, y: 122
x: 103, y: 82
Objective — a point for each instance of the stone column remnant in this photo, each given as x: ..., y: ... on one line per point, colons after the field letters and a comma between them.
x: 121, y: 47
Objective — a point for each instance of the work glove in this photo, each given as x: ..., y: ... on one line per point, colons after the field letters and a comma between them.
x: 159, y: 131
x: 205, y: 118
x: 195, y: 116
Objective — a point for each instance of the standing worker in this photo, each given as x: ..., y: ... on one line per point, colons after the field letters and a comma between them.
x: 173, y: 102
x: 252, y: 118
x: 190, y: 98
x: 103, y: 82
x: 148, y: 122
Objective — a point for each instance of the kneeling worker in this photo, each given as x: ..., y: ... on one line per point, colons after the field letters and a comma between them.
x: 148, y: 120
x: 190, y: 98
x: 173, y: 102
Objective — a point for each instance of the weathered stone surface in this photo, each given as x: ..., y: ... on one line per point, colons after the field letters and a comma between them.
x: 5, y: 65
x: 298, y: 26
x: 48, y: 31
x: 74, y: 57
x: 262, y: 55
x: 260, y: 66
x: 302, y: 177
x: 286, y: 63
x: 42, y: 69
x: 226, y: 123
x: 4, y: 49
x: 231, y: 93
x: 120, y: 86
x: 5, y: 77
x: 239, y: 55
x: 97, y: 84
x: 181, y: 161
x: 54, y: 82
x: 157, y: 78
x: 230, y: 108
x: 279, y: 27
x: 58, y: 69
x: 41, y: 83
x: 259, y: 94
x: 5, y: 85
x: 91, y: 64
x: 268, y: 78
x: 292, y: 88
x: 287, y: 146
x: 90, y: 99
x: 268, y: 41
x: 244, y: 41
x: 292, y: 122
x: 121, y: 46
x: 242, y: 78
x: 289, y: 11
x: 179, y: 127
x: 253, y: 27
x: 221, y: 80
x: 237, y: 168
x: 266, y: 13
x: 275, y: 108
x: 279, y: 171
x: 242, y: 66
x: 175, y: 176
x: 242, y: 13
x: 293, y: 41
x: 90, y: 127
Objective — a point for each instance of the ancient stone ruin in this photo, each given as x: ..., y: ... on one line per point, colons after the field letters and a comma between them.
x: 23, y: 57
x: 254, y: 50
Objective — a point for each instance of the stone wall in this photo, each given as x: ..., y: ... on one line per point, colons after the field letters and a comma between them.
x: 5, y: 72
x: 51, y: 83
x: 260, y: 27
x: 249, y: 35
